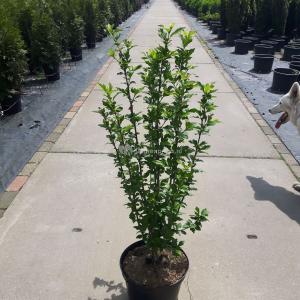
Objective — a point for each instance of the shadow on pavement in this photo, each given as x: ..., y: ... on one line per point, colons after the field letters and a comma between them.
x: 286, y: 201
x: 118, y: 289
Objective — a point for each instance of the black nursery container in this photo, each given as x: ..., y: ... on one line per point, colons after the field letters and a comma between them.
x: 231, y: 37
x: 263, y: 63
x: 254, y: 40
x: 264, y: 49
x: 290, y: 50
x: 52, y: 72
x: 295, y: 65
x: 275, y: 44
x: 242, y: 46
x: 295, y: 57
x: 140, y: 292
x: 11, y: 105
x: 283, y: 79
x: 221, y: 33
x: 215, y: 28
x: 76, y: 54
x: 281, y: 42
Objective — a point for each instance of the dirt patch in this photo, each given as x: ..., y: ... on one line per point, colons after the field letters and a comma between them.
x: 139, y: 267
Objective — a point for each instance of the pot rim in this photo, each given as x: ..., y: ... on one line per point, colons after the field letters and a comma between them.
x: 294, y: 72
x: 126, y: 277
x: 262, y: 45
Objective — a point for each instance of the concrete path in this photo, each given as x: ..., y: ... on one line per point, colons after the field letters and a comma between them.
x: 63, y: 235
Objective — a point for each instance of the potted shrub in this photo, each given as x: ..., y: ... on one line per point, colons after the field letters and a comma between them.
x: 104, y: 17
x: 280, y: 10
x: 116, y: 10
x: 90, y: 27
x: 75, y: 34
x: 46, y: 46
x: 233, y: 12
x: 157, y: 156
x: 12, y: 66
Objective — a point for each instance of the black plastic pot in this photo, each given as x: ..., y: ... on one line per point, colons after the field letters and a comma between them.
x: 76, y: 54
x: 231, y: 37
x: 283, y: 79
x: 12, y: 105
x: 221, y: 33
x: 295, y: 65
x: 263, y: 63
x: 281, y: 42
x: 264, y: 49
x: 215, y: 28
x: 52, y: 72
x: 90, y: 43
x: 250, y: 30
x: 290, y: 50
x: 259, y: 36
x: 253, y: 40
x: 140, y: 292
x: 272, y: 43
x: 295, y: 57
x: 241, y: 46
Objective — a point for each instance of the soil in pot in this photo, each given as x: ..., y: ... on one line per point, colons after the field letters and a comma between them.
x: 12, y: 104
x: 263, y: 63
x: 290, y: 50
x: 283, y: 79
x: 231, y: 37
x: 76, y: 54
x: 295, y: 57
x: 146, y: 280
x: 254, y: 40
x: 272, y: 43
x: 52, y: 72
x: 264, y: 49
x: 242, y: 46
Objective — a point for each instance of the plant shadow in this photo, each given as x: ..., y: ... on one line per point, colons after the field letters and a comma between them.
x: 288, y: 202
x: 119, y: 292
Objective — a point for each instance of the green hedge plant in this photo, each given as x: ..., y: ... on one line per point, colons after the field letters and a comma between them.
x: 46, y: 43
x: 157, y: 152
x: 12, y: 61
x: 90, y: 23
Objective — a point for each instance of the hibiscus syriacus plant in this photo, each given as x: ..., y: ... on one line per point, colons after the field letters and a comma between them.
x: 157, y: 151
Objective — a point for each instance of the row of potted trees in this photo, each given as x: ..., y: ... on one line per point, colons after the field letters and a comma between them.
x: 280, y: 16
x: 41, y: 32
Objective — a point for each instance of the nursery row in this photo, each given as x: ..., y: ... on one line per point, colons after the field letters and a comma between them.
x: 36, y: 34
x: 278, y: 16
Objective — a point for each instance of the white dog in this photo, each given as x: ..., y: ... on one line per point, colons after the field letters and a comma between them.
x: 289, y: 106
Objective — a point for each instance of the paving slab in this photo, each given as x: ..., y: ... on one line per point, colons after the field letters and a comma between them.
x: 74, y: 228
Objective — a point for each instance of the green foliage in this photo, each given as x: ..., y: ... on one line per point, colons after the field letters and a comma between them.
x: 46, y: 42
x: 90, y: 21
x: 279, y: 15
x: 104, y: 16
x: 75, y: 27
x: 157, y: 153
x: 12, y: 58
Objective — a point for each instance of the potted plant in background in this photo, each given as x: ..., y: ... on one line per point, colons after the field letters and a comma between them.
x: 104, y: 17
x: 12, y: 66
x: 157, y: 168
x: 234, y: 19
x: 90, y: 24
x: 46, y: 46
x: 75, y: 27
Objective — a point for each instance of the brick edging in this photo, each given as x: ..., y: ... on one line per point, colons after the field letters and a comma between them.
x: 275, y: 140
